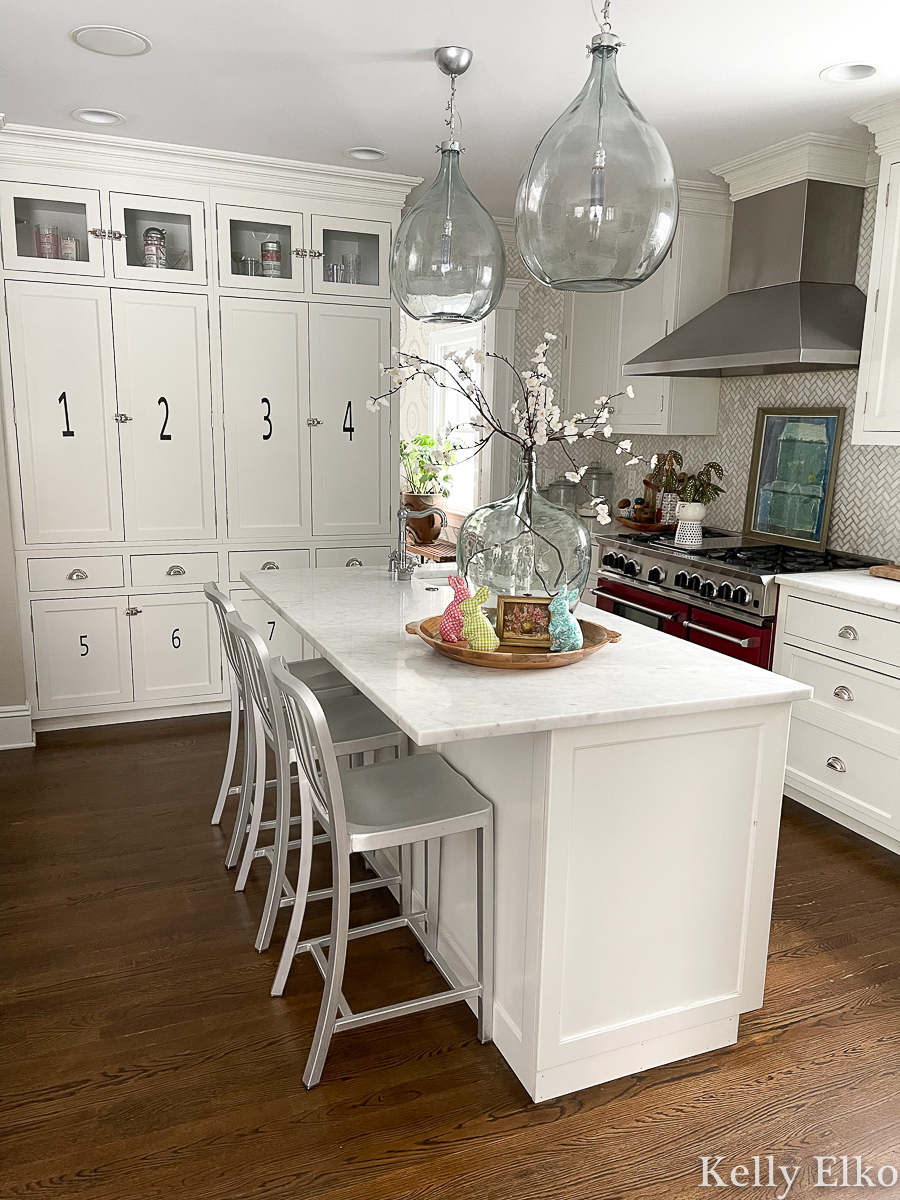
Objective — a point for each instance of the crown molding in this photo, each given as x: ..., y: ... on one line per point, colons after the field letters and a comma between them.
x: 882, y: 120
x: 705, y: 199
x: 30, y: 145
x: 807, y: 156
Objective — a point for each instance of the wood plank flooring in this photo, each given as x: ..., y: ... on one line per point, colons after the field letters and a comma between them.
x: 141, y: 1056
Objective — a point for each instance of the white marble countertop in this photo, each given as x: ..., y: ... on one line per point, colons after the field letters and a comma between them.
x: 356, y: 618
x: 850, y: 586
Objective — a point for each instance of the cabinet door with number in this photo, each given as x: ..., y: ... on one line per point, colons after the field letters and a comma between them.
x: 82, y: 652
x: 65, y: 408
x: 266, y: 380
x: 280, y: 638
x: 351, y: 447
x: 175, y: 646
x: 165, y: 410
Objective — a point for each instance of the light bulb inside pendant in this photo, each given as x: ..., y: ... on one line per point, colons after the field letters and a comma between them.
x: 448, y: 261
x: 598, y: 203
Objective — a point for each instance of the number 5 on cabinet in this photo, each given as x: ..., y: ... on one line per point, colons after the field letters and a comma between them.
x: 82, y: 652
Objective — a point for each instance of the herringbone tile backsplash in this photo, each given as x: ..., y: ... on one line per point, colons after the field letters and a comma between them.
x: 866, y: 512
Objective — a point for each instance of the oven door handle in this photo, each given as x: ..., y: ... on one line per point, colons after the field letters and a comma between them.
x: 654, y: 612
x: 745, y: 643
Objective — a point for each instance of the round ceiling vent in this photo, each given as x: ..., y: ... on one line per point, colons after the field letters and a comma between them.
x: 110, y: 39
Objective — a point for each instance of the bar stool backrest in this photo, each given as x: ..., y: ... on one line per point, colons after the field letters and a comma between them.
x: 223, y: 606
x: 315, y: 752
x: 254, y: 656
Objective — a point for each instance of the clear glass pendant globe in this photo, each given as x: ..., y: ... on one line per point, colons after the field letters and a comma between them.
x: 598, y: 204
x: 523, y: 544
x: 448, y: 261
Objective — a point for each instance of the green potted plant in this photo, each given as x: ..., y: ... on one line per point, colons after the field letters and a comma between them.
x: 666, y: 477
x: 425, y: 464
x: 696, y: 493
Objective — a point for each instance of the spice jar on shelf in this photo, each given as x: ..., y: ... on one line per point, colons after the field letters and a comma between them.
x: 271, y: 259
x: 155, y: 247
x: 46, y: 241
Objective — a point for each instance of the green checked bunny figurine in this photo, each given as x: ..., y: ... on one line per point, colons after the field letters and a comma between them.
x: 477, y: 629
x: 564, y: 629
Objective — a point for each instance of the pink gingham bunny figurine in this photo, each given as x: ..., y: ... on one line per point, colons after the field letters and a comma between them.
x: 452, y: 620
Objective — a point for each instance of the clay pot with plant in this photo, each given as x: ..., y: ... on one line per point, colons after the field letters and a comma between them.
x: 425, y: 464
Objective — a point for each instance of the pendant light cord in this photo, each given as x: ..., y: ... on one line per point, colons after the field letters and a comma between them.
x: 604, y: 23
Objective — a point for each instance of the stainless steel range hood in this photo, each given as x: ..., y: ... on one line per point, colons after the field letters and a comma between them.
x: 792, y: 302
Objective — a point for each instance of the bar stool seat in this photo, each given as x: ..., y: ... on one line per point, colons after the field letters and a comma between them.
x: 318, y: 674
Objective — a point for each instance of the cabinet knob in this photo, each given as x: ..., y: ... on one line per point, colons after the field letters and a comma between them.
x: 835, y: 764
x: 311, y: 421
x: 77, y: 573
x: 97, y: 233
x: 843, y: 693
x: 121, y: 418
x: 132, y: 612
x: 270, y: 566
x: 848, y: 633
x: 353, y: 562
x: 175, y: 570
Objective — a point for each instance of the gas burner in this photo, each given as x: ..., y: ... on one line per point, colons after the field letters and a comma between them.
x: 776, y: 559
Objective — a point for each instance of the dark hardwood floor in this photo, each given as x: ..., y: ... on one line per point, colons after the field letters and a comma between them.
x: 142, y: 1056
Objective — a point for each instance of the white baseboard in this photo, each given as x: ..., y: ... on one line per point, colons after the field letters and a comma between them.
x: 125, y: 715
x: 16, y: 732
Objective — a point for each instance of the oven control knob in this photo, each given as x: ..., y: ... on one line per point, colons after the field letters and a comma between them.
x: 656, y: 575
x: 694, y: 583
x: 740, y: 595
x: 708, y: 589
x: 726, y: 591
x: 619, y: 563
x: 609, y: 560
x: 681, y: 579
x: 632, y: 567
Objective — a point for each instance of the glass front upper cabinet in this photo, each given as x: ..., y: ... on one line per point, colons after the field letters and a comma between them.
x: 54, y: 229
x: 260, y: 248
x: 350, y: 258
x: 157, y: 238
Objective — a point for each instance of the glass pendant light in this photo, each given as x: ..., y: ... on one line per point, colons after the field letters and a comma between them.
x: 448, y: 262
x: 598, y: 204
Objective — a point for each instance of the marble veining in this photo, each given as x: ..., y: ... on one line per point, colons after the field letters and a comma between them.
x: 356, y: 619
x: 853, y: 586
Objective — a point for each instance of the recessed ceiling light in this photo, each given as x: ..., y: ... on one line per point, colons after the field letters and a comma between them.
x: 98, y: 116
x: 366, y: 153
x: 110, y: 39
x: 849, y: 72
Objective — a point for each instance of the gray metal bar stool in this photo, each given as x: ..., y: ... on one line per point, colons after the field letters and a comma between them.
x: 357, y: 727
x: 317, y: 673
x: 378, y: 807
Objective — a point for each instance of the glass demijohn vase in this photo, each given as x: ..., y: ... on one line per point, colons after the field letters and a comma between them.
x: 598, y: 203
x: 523, y: 544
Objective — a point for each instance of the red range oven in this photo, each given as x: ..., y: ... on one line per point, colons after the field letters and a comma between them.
x: 747, y: 641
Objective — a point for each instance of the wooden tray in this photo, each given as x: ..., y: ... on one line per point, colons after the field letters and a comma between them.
x: 646, y: 526
x: 515, y: 658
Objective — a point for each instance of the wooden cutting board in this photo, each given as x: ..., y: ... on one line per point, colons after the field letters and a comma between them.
x: 886, y: 571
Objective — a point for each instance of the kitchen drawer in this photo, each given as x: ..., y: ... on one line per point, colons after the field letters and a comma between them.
x: 260, y: 560
x: 345, y: 556
x: 76, y: 572
x: 864, y: 636
x: 844, y: 688
x: 869, y: 785
x: 175, y: 569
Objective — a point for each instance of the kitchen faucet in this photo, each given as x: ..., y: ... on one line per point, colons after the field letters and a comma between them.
x: 400, y: 563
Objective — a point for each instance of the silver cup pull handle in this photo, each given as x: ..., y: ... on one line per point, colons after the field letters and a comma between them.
x: 353, y: 562
x: 835, y: 764
x: 77, y: 573
x: 848, y: 633
x: 843, y: 693
x: 175, y: 570
x: 270, y: 566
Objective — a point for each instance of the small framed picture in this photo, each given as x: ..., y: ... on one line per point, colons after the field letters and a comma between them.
x: 524, y: 621
x: 792, y: 473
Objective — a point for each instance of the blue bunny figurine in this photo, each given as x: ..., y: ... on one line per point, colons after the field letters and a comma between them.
x: 564, y: 629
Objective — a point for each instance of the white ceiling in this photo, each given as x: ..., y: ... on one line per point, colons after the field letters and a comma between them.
x: 306, y: 79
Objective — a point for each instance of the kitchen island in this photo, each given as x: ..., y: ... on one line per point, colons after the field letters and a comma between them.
x: 637, y: 799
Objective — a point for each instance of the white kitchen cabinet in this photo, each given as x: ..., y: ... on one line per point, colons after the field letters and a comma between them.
x: 265, y: 373
x: 339, y: 246
x: 184, y: 225
x: 351, y: 447
x: 352, y: 556
x: 65, y: 408
x: 240, y: 233
x: 163, y: 385
x: 175, y: 646
x: 279, y: 636
x: 52, y: 229
x: 877, y: 417
x: 603, y: 331
x: 82, y: 652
